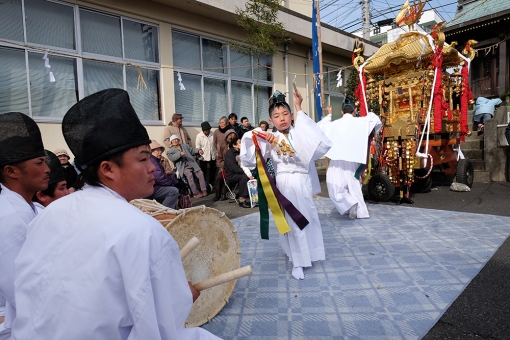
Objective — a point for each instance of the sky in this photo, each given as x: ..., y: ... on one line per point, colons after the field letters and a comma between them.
x: 346, y: 14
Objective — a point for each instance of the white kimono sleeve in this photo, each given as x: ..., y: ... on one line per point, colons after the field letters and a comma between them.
x: 247, y: 153
x: 374, y: 122
x: 161, y: 306
x: 310, y: 143
x: 308, y: 139
x: 325, y: 124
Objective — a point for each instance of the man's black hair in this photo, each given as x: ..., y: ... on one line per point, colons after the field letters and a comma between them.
x: 232, y: 115
x: 348, y: 106
x: 242, y: 119
x: 233, y: 142
x: 50, y: 191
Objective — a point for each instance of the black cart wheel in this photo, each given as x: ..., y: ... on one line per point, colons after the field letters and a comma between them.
x: 380, y: 188
x: 465, y: 172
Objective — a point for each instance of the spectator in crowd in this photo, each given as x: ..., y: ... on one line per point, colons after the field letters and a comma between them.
x: 484, y: 110
x: 264, y: 125
x: 157, y: 151
x: 23, y: 172
x: 218, y: 140
x: 507, y: 133
x: 235, y: 174
x: 165, y: 186
x: 220, y: 162
x: 183, y: 157
x: 94, y: 266
x: 232, y: 119
x: 57, y: 185
x: 205, y: 142
x: 245, y: 125
x: 69, y: 171
x: 176, y: 128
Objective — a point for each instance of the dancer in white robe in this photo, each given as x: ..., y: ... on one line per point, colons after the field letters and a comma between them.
x: 23, y: 172
x: 296, y: 177
x: 93, y: 266
x: 349, y: 136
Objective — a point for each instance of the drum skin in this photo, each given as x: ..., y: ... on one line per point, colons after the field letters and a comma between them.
x: 219, y: 252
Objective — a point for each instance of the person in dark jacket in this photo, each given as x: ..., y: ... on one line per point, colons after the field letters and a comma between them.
x: 165, y: 190
x: 69, y: 171
x: 245, y: 125
x: 507, y: 133
x: 232, y: 119
x: 234, y: 172
x: 220, y: 163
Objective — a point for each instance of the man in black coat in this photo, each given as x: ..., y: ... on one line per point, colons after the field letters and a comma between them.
x: 235, y: 174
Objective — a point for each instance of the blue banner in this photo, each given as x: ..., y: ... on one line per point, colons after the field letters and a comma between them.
x: 316, y: 62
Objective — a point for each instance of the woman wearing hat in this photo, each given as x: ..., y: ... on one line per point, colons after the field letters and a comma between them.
x: 69, y: 171
x: 165, y: 186
x: 205, y: 142
x: 183, y: 157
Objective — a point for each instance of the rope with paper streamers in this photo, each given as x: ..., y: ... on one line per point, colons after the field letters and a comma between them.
x: 490, y: 48
x: 180, y: 69
x: 141, y: 81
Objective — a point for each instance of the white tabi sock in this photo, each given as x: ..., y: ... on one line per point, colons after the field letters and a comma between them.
x: 353, y: 212
x: 297, y: 273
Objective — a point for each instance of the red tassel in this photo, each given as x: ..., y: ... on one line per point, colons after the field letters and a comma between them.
x: 464, y: 96
x: 437, y: 62
x: 362, y: 89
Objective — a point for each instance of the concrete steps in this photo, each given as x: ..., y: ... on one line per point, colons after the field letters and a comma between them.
x: 473, y: 149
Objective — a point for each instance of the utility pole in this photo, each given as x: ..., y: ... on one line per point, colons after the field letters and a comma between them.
x: 365, y: 8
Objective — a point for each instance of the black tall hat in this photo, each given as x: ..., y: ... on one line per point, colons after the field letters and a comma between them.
x: 56, y: 170
x: 101, y: 125
x: 20, y: 138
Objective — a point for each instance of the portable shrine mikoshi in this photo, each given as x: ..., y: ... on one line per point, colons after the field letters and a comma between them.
x: 210, y: 250
x: 419, y: 85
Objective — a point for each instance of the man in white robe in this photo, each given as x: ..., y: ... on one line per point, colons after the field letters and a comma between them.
x: 296, y: 177
x: 350, y: 136
x: 23, y: 171
x: 93, y: 266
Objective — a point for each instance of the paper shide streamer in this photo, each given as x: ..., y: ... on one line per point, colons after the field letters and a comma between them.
x: 48, y: 67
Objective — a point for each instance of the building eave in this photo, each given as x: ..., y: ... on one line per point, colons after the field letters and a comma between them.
x: 478, y: 22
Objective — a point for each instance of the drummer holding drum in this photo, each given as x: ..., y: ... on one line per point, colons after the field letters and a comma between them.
x: 93, y: 266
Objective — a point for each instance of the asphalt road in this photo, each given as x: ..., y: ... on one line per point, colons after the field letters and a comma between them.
x: 482, y: 311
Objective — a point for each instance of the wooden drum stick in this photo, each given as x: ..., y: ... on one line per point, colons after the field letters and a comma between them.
x: 223, y: 278
x: 188, y: 248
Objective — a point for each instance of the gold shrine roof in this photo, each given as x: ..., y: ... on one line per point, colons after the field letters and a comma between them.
x: 406, y: 52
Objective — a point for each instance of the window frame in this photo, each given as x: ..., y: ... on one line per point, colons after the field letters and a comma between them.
x: 79, y: 55
x: 221, y: 76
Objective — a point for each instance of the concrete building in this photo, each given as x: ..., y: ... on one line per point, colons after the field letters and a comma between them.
x: 486, y: 21
x: 385, y: 31
x: 144, y: 47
